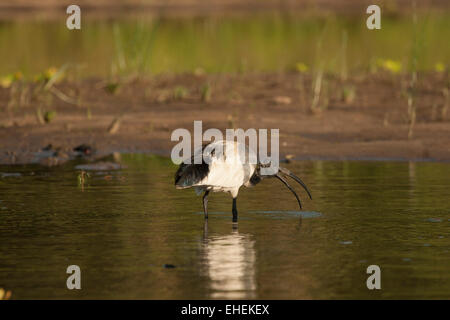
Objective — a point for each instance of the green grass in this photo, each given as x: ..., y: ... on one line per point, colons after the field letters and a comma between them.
x: 206, y: 92
x: 266, y: 42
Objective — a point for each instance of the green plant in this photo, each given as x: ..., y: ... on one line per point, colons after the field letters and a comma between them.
x: 344, y: 55
x: 180, y: 93
x: 206, y: 92
x: 112, y: 87
x: 8, y: 80
x: 416, y: 50
x: 301, y: 67
x: 445, y: 92
x: 133, y: 46
x: 318, y: 104
x: 88, y: 113
x: 49, y: 116
x: 390, y: 65
x: 317, y: 89
x: 39, y: 116
x: 348, y: 93
x: 231, y: 121
x: 82, y: 178
x: 410, y: 93
x: 440, y: 67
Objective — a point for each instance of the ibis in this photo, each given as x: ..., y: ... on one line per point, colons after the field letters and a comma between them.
x: 227, y: 171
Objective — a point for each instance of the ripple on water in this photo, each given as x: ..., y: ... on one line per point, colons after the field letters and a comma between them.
x: 215, y: 213
x: 407, y: 259
x: 281, y: 214
x: 277, y: 214
x: 10, y: 174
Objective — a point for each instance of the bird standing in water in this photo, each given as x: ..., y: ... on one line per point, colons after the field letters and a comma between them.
x: 227, y: 171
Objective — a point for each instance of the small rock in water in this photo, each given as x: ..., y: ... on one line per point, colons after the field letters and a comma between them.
x: 345, y: 242
x: 84, y: 149
x: 406, y: 259
x: 362, y: 261
x: 169, y: 266
x: 48, y: 147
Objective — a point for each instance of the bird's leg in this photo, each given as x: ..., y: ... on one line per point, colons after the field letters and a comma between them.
x: 235, y: 213
x: 205, y: 203
x: 205, y: 231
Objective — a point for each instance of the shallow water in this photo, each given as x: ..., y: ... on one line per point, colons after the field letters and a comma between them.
x: 134, y: 236
x: 248, y: 43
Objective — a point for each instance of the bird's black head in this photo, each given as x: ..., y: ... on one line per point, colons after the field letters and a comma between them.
x: 257, y: 177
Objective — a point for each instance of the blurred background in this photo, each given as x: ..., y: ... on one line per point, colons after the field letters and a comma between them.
x: 139, y: 69
x: 151, y: 37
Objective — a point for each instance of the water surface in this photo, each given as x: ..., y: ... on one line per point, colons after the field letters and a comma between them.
x: 134, y: 236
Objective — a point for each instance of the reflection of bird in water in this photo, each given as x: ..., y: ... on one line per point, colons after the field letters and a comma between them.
x: 230, y: 265
x: 227, y: 171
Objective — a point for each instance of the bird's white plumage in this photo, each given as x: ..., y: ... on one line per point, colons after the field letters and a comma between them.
x: 228, y: 170
x: 226, y: 166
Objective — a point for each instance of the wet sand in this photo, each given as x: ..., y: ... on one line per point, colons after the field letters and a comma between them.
x: 142, y: 113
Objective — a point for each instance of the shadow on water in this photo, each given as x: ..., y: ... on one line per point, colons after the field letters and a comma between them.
x: 135, y: 236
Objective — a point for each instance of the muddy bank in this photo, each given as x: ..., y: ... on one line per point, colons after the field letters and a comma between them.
x: 359, y: 118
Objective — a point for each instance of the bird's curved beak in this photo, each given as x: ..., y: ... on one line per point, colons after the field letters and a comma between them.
x: 282, y: 173
x: 293, y: 176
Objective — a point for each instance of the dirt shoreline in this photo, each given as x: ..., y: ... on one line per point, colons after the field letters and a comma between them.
x: 139, y: 115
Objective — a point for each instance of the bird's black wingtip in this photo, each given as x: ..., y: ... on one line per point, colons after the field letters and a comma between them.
x: 189, y: 174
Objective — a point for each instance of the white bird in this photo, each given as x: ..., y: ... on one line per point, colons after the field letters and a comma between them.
x: 227, y: 171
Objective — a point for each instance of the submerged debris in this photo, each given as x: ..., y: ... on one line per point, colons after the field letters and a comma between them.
x: 49, y: 147
x: 84, y: 149
x: 114, y: 126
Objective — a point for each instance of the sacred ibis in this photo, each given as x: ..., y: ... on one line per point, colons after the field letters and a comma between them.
x: 227, y: 171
